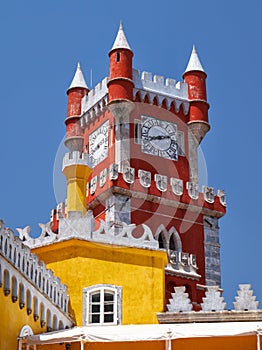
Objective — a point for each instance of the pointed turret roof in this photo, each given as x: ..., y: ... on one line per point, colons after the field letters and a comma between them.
x: 194, y: 62
x: 121, y: 41
x: 78, y: 80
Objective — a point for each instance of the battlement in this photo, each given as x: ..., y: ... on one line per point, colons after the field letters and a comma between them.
x: 76, y: 158
x: 95, y: 95
x: 39, y: 285
x: 158, y: 84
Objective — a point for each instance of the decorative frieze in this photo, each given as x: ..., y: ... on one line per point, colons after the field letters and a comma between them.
x: 14, y: 250
x: 93, y: 184
x: 245, y: 299
x: 180, y: 301
x: 113, y: 171
x: 144, y: 178
x: 102, y: 177
x: 222, y: 197
x: 129, y: 175
x: 161, y: 181
x: 192, y: 189
x: 208, y: 193
x: 213, y: 300
x: 177, y: 186
x: 117, y: 232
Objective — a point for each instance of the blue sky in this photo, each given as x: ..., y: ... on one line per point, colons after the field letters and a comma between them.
x: 41, y: 43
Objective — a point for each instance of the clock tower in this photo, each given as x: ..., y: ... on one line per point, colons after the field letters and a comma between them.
x: 142, y: 133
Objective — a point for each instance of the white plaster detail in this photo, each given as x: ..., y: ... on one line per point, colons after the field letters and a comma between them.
x: 113, y: 171
x: 93, y: 185
x: 24, y: 233
x: 194, y: 63
x: 32, y: 274
x: 222, y: 197
x: 129, y: 175
x: 161, y: 182
x: 76, y: 157
x: 180, y: 301
x: 177, y: 186
x: 120, y: 41
x: 102, y: 177
x: 61, y: 210
x: 87, y: 189
x: 163, y: 88
x: 213, y: 300
x: 185, y: 259
x: 245, y: 299
x: 192, y: 189
x: 208, y: 193
x: 94, y: 103
x: 78, y: 80
x: 144, y: 178
x: 76, y: 226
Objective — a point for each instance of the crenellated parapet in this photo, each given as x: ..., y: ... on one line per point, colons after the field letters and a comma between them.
x: 157, y: 88
x: 27, y: 279
x: 95, y: 102
x: 213, y: 307
x: 188, y: 192
x: 75, y: 158
x: 14, y: 250
x: 76, y: 226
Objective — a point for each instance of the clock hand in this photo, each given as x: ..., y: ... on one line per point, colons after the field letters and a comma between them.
x: 159, y: 137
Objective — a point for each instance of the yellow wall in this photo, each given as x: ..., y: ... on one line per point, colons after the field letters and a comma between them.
x: 140, y: 273
x: 12, y: 319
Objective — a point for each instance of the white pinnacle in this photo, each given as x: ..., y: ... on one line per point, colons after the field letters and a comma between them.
x: 78, y: 80
x: 194, y: 62
x: 121, y: 41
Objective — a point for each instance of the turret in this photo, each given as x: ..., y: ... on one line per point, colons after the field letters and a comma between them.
x: 195, y: 77
x: 76, y: 91
x: 77, y: 170
x: 120, y: 84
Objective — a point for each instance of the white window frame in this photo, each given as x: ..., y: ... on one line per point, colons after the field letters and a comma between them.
x: 102, y: 289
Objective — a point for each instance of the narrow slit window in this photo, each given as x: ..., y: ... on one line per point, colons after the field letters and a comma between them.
x: 118, y: 57
x: 137, y: 131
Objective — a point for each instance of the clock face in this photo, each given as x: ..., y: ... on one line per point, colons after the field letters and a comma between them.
x: 159, y: 138
x: 98, y: 144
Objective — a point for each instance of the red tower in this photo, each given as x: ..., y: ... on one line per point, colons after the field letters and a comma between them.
x: 76, y: 91
x: 120, y: 84
x: 142, y: 134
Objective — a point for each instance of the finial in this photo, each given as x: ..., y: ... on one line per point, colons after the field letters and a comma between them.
x: 78, y: 80
x: 121, y: 41
x: 194, y: 62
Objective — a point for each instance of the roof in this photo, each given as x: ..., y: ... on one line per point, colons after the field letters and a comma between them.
x: 121, y: 41
x: 194, y: 62
x: 78, y: 80
x: 150, y: 332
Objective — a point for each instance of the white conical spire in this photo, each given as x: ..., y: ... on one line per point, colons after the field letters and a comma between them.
x: 121, y: 41
x: 78, y: 80
x: 194, y: 62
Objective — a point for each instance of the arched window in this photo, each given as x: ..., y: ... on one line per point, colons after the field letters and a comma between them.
x: 102, y: 305
x: 162, y: 241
